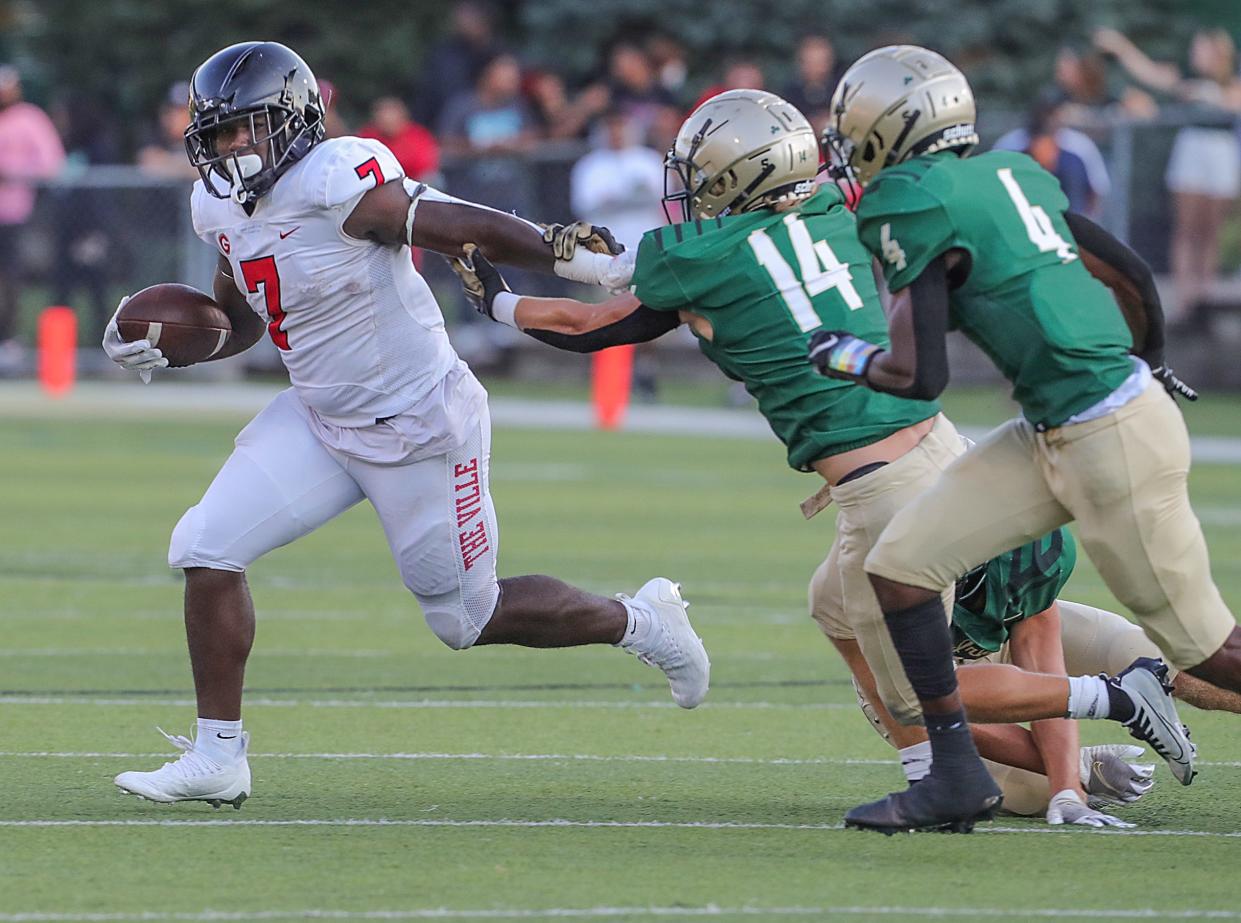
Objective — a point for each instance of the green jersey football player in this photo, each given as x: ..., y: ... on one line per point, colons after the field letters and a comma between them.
x: 761, y: 260
x: 985, y: 245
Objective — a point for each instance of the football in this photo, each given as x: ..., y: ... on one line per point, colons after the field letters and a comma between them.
x: 182, y: 322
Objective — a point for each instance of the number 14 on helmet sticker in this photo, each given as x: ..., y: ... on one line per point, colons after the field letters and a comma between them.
x: 818, y: 267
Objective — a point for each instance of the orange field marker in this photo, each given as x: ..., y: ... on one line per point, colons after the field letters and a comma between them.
x: 611, y: 374
x: 58, y: 349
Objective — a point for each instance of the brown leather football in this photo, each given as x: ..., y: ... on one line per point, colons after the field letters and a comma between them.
x: 186, y: 325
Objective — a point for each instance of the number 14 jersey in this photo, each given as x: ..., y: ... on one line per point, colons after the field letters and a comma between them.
x: 765, y: 280
x: 356, y: 326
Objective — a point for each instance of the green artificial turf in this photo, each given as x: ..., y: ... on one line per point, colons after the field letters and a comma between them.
x: 430, y: 777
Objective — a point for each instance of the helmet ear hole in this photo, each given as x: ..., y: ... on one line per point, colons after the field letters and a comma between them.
x: 868, y: 152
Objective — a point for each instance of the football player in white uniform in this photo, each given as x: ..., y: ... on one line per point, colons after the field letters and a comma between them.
x: 314, y: 240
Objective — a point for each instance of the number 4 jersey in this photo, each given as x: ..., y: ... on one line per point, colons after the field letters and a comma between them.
x: 765, y: 280
x: 357, y: 327
x: 1052, y: 329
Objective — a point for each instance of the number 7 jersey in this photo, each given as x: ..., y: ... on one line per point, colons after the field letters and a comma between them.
x: 765, y: 280
x: 355, y: 324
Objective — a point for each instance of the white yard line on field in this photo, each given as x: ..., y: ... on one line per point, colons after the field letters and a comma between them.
x: 563, y: 823
x: 596, y: 913
x: 523, y: 757
x: 121, y: 701
x: 512, y: 757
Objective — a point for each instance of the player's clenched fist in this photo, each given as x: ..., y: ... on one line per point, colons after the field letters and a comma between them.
x: 480, y: 279
x: 566, y: 238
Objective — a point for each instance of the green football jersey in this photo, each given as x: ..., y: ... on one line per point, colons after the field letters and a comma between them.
x: 766, y: 280
x: 1051, y: 328
x: 1009, y: 589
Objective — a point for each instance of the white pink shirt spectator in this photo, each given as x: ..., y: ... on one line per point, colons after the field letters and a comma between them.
x: 30, y: 151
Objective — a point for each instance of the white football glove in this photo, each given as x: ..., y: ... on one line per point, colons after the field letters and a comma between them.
x: 139, y: 356
x: 1067, y: 807
x: 1111, y: 776
x: 619, y: 272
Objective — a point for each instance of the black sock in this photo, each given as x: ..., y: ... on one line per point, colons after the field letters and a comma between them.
x: 921, y: 637
x: 1119, y: 704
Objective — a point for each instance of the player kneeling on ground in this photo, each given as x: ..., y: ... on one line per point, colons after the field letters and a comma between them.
x: 314, y: 239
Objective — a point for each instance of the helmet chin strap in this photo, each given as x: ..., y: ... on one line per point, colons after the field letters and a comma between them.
x: 241, y: 167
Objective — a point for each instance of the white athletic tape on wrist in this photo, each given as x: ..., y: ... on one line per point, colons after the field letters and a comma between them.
x: 504, y: 309
x: 586, y: 266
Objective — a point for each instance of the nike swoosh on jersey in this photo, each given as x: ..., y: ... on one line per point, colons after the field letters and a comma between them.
x: 284, y: 234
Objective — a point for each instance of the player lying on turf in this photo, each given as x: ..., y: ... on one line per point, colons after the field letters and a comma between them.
x: 983, y: 244
x: 314, y: 240
x: 752, y: 215
x: 1007, y: 611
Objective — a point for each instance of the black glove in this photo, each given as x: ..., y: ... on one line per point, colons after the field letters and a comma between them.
x: 565, y: 239
x: 838, y: 354
x: 1173, y: 385
x: 480, y: 279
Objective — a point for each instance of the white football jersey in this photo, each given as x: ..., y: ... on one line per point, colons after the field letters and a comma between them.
x: 356, y: 326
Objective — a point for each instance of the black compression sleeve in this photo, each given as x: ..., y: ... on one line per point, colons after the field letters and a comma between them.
x: 929, y: 302
x: 639, y: 326
x: 1120, y: 257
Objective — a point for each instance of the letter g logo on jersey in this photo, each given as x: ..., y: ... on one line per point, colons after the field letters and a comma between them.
x: 225, y: 247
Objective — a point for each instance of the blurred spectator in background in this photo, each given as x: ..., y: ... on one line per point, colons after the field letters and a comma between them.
x: 333, y: 125
x: 485, y: 127
x: 817, y: 74
x: 1083, y: 79
x: 739, y: 74
x: 415, y: 148
x: 1065, y: 152
x: 667, y: 56
x: 491, y: 117
x: 620, y: 185
x: 635, y: 87
x: 557, y: 115
x: 457, y: 60
x: 164, y: 153
x: 30, y: 151
x: 1204, y: 170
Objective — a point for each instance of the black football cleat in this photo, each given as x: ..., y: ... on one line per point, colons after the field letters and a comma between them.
x: 943, y: 805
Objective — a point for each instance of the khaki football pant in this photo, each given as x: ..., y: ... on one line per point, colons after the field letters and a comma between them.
x: 1122, y: 477
x: 841, y: 598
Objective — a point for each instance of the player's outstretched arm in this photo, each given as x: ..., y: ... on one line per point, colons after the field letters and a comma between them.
x: 247, y: 326
x: 566, y: 323
x: 399, y: 213
x: 916, y: 365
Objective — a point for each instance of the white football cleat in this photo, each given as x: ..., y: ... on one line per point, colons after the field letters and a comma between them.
x: 1155, y: 720
x: 192, y: 777
x: 671, y: 644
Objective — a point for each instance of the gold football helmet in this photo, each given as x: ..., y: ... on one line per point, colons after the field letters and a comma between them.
x: 740, y: 150
x: 897, y: 102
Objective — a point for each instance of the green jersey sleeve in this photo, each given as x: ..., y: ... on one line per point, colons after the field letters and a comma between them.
x: 904, y: 226
x: 655, y: 283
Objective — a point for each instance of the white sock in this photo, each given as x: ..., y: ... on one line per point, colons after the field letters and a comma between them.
x: 916, y: 761
x: 1087, y: 697
x: 219, y: 740
x: 638, y: 628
